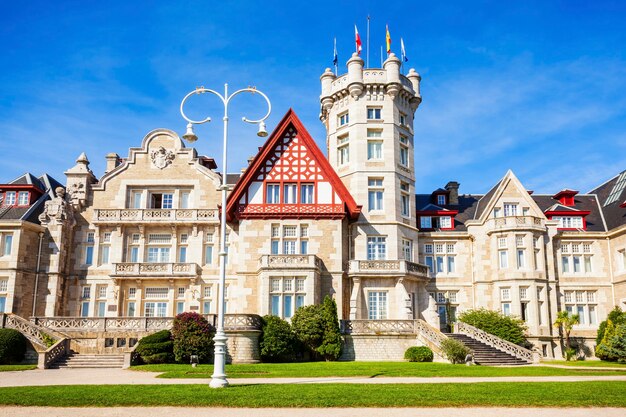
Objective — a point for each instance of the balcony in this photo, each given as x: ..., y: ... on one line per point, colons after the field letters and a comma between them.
x: 155, y: 270
x: 512, y: 223
x: 388, y: 268
x: 115, y: 216
x: 290, y: 262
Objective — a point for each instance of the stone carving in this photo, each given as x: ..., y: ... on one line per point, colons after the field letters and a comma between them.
x: 56, y: 210
x: 161, y: 158
x: 76, y: 193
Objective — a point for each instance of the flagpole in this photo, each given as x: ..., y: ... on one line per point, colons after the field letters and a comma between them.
x: 367, y: 64
x: 381, y: 56
x: 335, y: 56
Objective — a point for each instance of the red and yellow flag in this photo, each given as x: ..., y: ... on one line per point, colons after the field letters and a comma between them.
x: 388, y: 39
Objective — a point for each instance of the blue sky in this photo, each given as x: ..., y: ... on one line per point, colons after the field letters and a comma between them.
x: 537, y: 87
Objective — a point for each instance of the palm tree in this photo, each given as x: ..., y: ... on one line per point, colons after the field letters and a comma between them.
x: 566, y: 322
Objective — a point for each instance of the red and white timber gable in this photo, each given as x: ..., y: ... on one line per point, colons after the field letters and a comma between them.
x: 290, y: 178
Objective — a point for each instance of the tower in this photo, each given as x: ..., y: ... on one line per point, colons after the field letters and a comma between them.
x: 368, y: 114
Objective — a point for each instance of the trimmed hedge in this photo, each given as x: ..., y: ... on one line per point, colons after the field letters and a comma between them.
x: 156, y: 348
x: 508, y: 328
x: 418, y: 354
x: 317, y: 327
x: 12, y: 346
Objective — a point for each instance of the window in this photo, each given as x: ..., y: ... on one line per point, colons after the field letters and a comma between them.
x: 426, y: 222
x: 376, y: 247
x: 404, y: 151
x: 374, y: 113
x: 86, y: 292
x: 306, y: 193
x: 156, y: 292
x: 207, y: 298
x: 162, y: 200
x: 132, y: 292
x: 343, y: 150
x: 9, y: 198
x: 407, y: 249
x: 377, y: 305
x: 445, y: 260
x: 184, y: 200
x: 582, y: 303
x: 576, y: 258
x: 502, y: 242
x: 521, y: 262
x: 569, y: 222
x: 446, y: 307
x: 130, y: 310
x: 4, y: 284
x: 292, y: 238
x: 289, y: 193
x: 405, y: 199
x: 375, y: 194
x: 22, y: 198
x: 445, y: 222
x: 621, y: 256
x: 503, y: 257
x: 374, y: 149
x: 136, y: 199
x: 182, y: 254
x: 344, y: 118
x: 510, y: 209
x: 104, y: 254
x: 287, y: 294
x: 273, y: 194
x: 497, y: 212
x: 374, y: 133
x: 158, y: 254
x: 88, y: 255
x: 505, y: 299
x: 6, y: 243
x: 403, y: 119
x: 153, y: 309
x: 180, y: 307
x: 436, y: 222
x: 441, y: 199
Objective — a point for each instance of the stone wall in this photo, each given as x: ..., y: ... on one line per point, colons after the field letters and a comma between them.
x: 378, y: 347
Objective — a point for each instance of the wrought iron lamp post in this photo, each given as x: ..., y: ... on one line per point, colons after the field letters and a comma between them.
x: 218, y: 379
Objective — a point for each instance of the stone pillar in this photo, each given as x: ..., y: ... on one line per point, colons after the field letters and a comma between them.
x: 355, y: 75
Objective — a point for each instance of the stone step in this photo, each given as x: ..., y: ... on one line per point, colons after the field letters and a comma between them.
x: 90, y: 361
x: 487, y: 355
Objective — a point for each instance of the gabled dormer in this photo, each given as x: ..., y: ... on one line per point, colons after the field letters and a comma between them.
x: 440, y: 197
x: 434, y: 217
x: 566, y: 197
x: 290, y: 178
x: 21, y: 192
x: 569, y: 218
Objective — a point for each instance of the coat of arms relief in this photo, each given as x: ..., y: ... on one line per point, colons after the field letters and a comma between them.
x: 161, y: 157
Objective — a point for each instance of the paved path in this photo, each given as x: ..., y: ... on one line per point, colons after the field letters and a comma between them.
x: 307, y: 412
x: 121, y: 376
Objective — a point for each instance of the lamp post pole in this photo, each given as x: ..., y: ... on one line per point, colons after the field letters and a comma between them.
x: 218, y: 379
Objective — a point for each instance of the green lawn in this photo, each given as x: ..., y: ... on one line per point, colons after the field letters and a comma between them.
x: 535, y: 394
x: 7, y: 368
x: 365, y: 369
x: 588, y: 364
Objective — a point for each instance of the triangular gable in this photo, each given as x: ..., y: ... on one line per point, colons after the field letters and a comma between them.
x: 290, y: 157
x: 561, y: 207
x: 495, y: 194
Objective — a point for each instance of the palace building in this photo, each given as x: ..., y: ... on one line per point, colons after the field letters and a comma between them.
x: 141, y: 242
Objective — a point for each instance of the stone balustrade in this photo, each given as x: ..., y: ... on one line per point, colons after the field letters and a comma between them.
x: 156, y: 215
x: 390, y: 267
x: 496, y: 342
x: 290, y: 261
x: 497, y: 224
x: 155, y: 270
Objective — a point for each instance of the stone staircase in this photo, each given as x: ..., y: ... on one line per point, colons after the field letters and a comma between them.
x: 485, y: 354
x: 75, y: 360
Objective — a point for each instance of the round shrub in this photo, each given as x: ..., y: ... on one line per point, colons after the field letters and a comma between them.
x: 193, y: 335
x: 156, y: 348
x: 418, y: 354
x: 454, y: 350
x: 317, y: 328
x: 278, y: 342
x: 12, y: 346
x: 508, y: 328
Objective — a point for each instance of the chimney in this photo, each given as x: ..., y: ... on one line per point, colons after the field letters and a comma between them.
x: 453, y: 188
x: 113, y: 160
x: 244, y: 169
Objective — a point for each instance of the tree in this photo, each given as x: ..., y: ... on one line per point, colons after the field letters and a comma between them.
x: 332, y: 343
x: 278, y: 342
x: 566, y: 322
x: 509, y: 328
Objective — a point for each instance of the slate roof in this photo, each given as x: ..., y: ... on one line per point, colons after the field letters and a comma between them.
x: 31, y: 214
x: 467, y: 207
x: 583, y: 202
x: 614, y: 215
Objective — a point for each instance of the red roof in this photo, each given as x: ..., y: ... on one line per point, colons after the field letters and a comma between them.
x: 290, y: 120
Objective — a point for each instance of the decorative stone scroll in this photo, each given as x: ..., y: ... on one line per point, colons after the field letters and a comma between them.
x: 161, y: 158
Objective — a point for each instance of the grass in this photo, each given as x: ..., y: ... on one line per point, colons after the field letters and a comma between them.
x: 8, y: 368
x: 588, y: 364
x: 365, y: 369
x: 501, y: 394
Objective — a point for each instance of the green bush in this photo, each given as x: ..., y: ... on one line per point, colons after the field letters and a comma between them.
x: 193, y: 335
x: 618, y: 343
x: 317, y: 328
x: 454, y: 350
x: 493, y: 322
x: 278, y: 342
x: 419, y: 354
x: 612, y: 347
x: 156, y: 348
x: 617, y: 316
x: 12, y: 346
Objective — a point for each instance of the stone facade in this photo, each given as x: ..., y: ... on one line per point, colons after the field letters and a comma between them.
x: 143, y: 239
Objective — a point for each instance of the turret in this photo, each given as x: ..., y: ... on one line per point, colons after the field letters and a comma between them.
x: 79, y: 180
x: 392, y: 70
x: 355, y: 75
